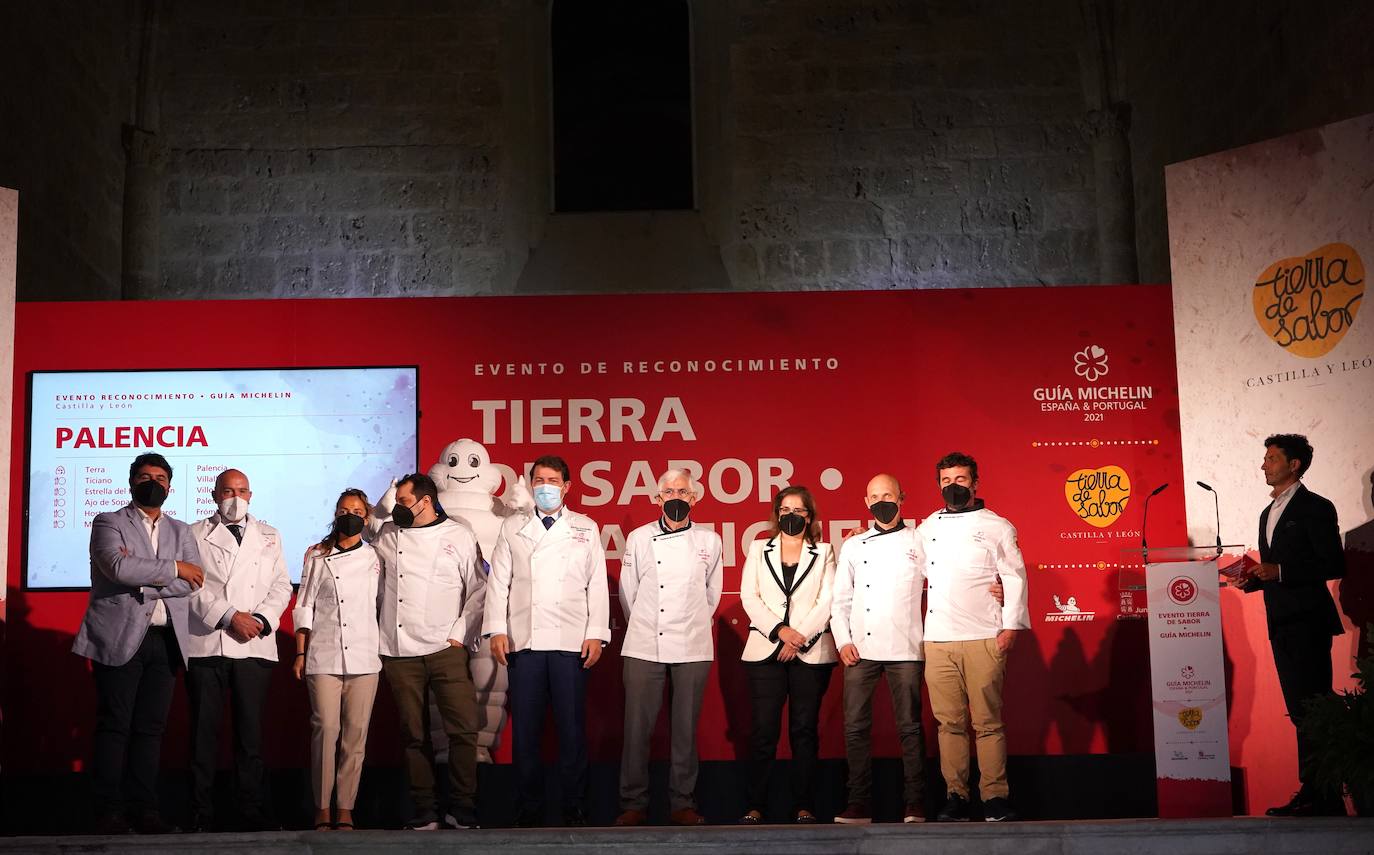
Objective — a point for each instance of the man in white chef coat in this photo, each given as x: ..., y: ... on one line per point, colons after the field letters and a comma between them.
x: 548, y: 616
x: 231, y: 647
x: 876, y: 620
x: 431, y: 598
x: 968, y: 635
x: 670, y: 581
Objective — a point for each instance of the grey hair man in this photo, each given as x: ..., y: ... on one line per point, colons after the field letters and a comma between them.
x: 670, y: 582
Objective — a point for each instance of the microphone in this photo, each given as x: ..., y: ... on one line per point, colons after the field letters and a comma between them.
x: 1146, y: 515
x: 1216, y: 504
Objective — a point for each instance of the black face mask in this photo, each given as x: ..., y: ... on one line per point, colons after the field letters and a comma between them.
x: 348, y: 525
x: 149, y: 494
x: 676, y: 510
x: 956, y: 495
x: 792, y: 524
x: 403, y: 516
x: 883, y: 512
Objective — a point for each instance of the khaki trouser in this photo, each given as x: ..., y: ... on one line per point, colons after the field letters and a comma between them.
x: 963, y: 678
x: 341, y: 708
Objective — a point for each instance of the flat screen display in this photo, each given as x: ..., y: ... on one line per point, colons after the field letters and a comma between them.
x: 301, y: 435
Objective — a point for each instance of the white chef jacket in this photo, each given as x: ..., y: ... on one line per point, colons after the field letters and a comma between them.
x: 547, y: 589
x: 877, y: 602
x: 247, y: 577
x: 670, y: 584
x: 431, y: 588
x: 966, y: 551
x: 337, y: 602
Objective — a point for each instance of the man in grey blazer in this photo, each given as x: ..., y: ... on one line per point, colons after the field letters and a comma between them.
x: 144, y: 565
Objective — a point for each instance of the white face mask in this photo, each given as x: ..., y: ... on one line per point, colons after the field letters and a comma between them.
x: 234, y: 508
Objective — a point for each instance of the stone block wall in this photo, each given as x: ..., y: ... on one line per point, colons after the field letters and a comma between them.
x: 1231, y: 73
x: 885, y: 144
x: 363, y: 147
x: 332, y: 147
x: 66, y: 88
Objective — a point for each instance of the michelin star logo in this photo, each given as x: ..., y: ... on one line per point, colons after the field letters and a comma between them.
x: 1090, y: 363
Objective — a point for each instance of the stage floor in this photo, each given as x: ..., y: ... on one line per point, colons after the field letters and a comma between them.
x: 1117, y: 837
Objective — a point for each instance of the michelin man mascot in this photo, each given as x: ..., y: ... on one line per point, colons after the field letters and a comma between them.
x: 467, y: 482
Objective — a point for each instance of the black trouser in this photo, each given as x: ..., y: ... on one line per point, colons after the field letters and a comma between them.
x: 904, y: 686
x: 246, y: 680
x: 540, y: 679
x: 1302, y: 657
x: 131, y: 712
x: 801, y: 686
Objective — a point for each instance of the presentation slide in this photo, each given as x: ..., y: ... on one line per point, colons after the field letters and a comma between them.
x: 301, y: 435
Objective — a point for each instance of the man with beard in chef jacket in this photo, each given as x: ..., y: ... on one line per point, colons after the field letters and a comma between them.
x: 670, y: 581
x: 968, y: 635
x: 431, y: 612
x: 548, y: 616
x: 231, y: 647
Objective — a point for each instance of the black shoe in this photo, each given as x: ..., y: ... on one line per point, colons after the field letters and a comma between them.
x: 998, y: 809
x: 110, y: 824
x: 1291, y: 809
x: 201, y: 824
x: 151, y: 822
x: 1305, y: 804
x: 530, y: 819
x: 955, y: 809
x: 574, y: 818
x: 254, y: 821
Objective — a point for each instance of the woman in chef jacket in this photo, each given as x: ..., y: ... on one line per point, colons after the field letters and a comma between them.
x: 785, y: 589
x: 336, y: 655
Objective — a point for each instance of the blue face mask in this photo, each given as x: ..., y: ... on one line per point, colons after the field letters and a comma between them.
x: 548, y: 497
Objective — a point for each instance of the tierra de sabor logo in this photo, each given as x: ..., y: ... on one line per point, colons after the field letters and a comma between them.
x: 1098, y: 496
x: 1307, y: 304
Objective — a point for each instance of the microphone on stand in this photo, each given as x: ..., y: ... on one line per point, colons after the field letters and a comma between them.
x: 1146, y: 515
x: 1217, y: 504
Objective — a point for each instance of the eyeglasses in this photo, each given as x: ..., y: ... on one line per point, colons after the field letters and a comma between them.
x: 787, y: 512
x: 683, y: 493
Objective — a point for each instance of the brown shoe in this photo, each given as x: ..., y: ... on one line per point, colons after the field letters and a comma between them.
x: 632, y: 817
x: 855, y: 815
x: 686, y: 816
x: 914, y: 813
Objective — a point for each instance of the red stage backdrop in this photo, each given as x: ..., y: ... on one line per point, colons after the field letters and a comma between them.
x: 1066, y: 396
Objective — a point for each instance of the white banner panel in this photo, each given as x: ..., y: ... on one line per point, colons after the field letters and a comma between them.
x: 1270, y: 245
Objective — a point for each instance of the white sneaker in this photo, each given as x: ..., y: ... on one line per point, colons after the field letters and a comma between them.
x: 451, y: 821
x: 417, y: 825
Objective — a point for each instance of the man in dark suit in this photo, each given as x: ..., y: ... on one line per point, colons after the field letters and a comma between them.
x: 144, y: 565
x: 1300, y: 550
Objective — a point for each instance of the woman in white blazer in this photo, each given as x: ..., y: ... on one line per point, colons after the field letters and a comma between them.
x: 785, y: 589
x: 336, y: 655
